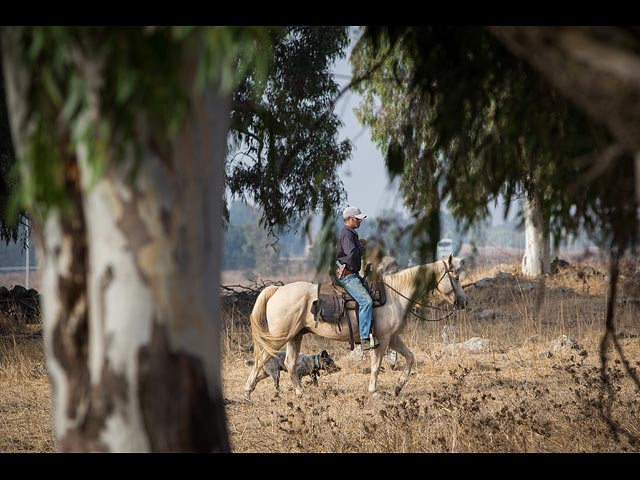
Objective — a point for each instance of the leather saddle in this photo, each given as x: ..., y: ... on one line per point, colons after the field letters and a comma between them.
x: 333, y: 300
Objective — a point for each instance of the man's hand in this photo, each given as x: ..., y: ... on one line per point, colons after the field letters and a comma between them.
x: 363, y: 242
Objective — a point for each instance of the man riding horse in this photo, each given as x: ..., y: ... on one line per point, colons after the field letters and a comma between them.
x: 349, y: 261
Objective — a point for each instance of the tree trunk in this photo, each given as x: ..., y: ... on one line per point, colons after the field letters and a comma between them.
x: 636, y: 166
x: 535, y: 261
x: 130, y: 289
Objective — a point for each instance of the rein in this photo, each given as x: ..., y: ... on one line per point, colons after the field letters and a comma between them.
x: 431, y: 319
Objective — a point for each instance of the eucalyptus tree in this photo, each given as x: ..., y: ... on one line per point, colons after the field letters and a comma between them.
x: 598, y: 69
x: 120, y: 137
x: 589, y: 169
x: 463, y: 121
x: 284, y: 150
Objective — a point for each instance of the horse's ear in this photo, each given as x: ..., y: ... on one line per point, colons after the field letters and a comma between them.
x: 450, y: 259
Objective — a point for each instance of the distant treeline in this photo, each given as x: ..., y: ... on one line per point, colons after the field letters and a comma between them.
x: 247, y: 245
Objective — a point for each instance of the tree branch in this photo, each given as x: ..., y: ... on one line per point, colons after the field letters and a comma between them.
x: 596, y: 71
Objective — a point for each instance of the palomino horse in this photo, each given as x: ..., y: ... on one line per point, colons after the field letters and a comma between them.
x: 282, y: 314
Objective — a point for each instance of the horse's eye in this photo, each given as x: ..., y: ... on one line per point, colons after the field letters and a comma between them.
x: 457, y: 278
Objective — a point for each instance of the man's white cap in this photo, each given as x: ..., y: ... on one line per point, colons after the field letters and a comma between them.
x: 353, y: 212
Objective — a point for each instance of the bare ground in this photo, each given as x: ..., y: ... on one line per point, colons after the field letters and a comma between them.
x: 491, y: 402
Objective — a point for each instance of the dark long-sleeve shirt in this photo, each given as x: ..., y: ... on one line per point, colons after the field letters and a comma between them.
x: 349, y: 249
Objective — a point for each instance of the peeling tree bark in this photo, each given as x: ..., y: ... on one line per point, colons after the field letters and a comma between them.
x: 131, y: 290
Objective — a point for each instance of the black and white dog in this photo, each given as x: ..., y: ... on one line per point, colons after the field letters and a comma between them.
x: 306, y: 364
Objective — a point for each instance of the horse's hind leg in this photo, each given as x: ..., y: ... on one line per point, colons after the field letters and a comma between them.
x: 293, y: 349
x: 256, y: 374
x: 398, y: 345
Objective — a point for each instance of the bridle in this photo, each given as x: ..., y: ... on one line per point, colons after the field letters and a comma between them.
x: 446, y: 272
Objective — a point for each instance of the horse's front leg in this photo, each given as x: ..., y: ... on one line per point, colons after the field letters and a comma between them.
x: 398, y: 345
x: 376, y: 359
x: 293, y: 349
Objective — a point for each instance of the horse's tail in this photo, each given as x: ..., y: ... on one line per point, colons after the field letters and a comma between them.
x: 263, y: 340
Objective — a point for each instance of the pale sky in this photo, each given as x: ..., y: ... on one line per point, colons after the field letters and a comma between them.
x: 364, y: 175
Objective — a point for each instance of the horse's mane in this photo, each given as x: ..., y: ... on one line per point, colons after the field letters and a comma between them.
x: 412, y: 278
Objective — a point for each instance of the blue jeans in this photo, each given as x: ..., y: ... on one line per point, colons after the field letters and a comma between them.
x: 354, y: 286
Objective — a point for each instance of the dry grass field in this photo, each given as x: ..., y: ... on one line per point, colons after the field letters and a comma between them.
x: 25, y: 413
x: 527, y: 387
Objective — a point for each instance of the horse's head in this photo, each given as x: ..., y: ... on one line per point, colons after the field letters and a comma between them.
x: 449, y: 284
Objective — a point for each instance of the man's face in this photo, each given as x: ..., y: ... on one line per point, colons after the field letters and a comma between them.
x: 353, y: 222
